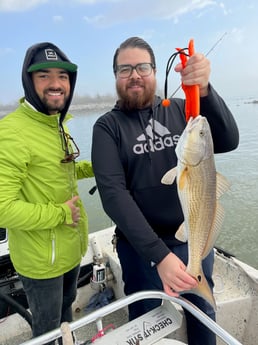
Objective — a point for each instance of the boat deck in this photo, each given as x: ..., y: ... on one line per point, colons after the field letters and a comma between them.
x: 236, y: 294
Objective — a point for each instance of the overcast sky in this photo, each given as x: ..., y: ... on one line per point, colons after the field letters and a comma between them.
x: 89, y: 31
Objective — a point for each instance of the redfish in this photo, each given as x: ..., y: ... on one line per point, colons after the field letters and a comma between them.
x: 199, y: 188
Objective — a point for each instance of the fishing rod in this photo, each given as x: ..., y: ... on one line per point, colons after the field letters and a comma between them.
x: 208, y: 52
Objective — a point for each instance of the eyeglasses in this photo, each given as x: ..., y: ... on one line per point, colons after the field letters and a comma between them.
x: 143, y: 69
x: 70, y: 148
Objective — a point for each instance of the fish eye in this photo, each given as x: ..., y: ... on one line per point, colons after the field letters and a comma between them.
x: 201, y: 133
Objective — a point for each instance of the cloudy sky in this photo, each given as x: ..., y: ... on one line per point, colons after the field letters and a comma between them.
x: 89, y: 31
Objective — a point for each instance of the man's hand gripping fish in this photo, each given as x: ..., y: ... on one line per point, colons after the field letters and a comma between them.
x: 199, y: 188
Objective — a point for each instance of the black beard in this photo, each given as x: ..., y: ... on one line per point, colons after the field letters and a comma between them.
x: 137, y: 101
x: 50, y: 108
x: 54, y: 107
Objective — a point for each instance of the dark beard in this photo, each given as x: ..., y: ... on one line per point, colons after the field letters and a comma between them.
x: 136, y: 101
x: 54, y: 106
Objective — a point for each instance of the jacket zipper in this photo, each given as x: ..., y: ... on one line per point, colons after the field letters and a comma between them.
x: 53, y: 252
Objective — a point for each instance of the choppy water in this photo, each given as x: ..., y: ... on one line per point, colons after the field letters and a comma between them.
x: 239, y: 234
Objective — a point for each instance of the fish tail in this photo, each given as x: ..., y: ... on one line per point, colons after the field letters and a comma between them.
x: 203, y: 289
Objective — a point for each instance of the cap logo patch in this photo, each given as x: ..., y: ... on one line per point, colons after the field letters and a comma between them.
x: 51, y: 55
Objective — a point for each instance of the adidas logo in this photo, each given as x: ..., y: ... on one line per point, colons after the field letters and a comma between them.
x: 158, y: 138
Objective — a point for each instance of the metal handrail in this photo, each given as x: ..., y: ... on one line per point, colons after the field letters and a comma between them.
x: 123, y: 302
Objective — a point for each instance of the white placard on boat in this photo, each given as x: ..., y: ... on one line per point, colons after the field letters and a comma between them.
x: 147, y: 329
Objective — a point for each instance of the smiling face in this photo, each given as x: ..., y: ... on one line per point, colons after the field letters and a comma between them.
x: 135, y: 92
x: 52, y: 85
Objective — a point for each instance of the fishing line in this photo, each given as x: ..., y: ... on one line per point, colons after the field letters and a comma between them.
x: 166, y: 101
x: 208, y: 52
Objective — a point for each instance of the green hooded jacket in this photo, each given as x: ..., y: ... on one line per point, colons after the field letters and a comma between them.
x: 34, y: 186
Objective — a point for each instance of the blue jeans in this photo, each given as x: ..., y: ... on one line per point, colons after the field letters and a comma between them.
x: 50, y: 300
x: 138, y: 275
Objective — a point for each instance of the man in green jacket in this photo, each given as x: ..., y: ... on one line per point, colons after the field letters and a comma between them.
x: 39, y: 203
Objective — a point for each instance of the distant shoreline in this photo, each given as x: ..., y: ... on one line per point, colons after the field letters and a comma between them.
x: 254, y: 102
x: 90, y: 106
x: 85, y: 107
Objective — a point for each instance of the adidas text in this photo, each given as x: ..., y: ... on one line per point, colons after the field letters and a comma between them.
x: 159, y: 145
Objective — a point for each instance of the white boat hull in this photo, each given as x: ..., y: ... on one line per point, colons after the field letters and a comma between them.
x: 236, y: 294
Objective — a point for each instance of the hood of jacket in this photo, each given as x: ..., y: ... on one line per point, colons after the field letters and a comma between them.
x: 29, y: 90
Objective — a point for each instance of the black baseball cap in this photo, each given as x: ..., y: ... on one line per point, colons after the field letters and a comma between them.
x: 49, y: 58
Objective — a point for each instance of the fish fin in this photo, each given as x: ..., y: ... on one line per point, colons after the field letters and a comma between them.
x: 203, y: 289
x: 183, y: 178
x: 215, y: 229
x: 181, y: 234
x: 169, y: 176
x: 223, y: 185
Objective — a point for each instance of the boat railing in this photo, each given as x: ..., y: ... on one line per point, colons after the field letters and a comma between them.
x: 98, y: 314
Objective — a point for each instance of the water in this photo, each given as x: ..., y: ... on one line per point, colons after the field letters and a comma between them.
x: 239, y: 232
